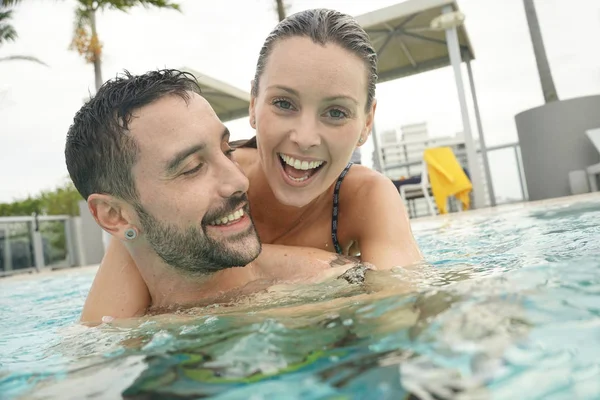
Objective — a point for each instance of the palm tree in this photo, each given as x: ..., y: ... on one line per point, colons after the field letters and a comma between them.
x: 85, y: 37
x: 9, y: 34
x: 540, y: 53
x: 280, y: 9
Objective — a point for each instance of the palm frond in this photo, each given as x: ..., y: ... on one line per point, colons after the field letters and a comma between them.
x: 7, y: 32
x: 125, y: 5
x: 8, y: 3
x: 5, y: 14
x: 82, y: 18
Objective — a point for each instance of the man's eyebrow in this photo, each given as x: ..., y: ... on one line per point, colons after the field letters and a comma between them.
x: 174, y: 163
x: 225, y: 135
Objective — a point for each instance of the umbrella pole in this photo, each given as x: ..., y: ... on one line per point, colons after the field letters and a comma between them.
x: 473, y: 164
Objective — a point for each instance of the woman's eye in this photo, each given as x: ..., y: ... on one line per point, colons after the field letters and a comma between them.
x: 336, y: 113
x: 193, y: 170
x: 283, y: 104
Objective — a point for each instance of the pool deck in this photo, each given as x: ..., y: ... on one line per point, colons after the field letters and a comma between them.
x: 523, y: 205
x: 45, y: 272
x: 587, y: 197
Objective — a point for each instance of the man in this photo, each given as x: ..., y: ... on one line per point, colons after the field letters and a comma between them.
x: 153, y: 161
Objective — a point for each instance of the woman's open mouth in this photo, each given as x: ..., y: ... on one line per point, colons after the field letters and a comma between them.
x: 299, y: 172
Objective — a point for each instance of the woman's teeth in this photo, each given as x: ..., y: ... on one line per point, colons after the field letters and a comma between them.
x: 302, y: 179
x: 229, y: 218
x: 301, y: 165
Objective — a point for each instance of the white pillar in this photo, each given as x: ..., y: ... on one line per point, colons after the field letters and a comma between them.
x: 38, y: 250
x: 473, y: 164
x: 7, y: 250
x: 37, y: 243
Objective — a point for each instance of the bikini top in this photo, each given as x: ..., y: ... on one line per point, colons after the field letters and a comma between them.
x: 334, y: 216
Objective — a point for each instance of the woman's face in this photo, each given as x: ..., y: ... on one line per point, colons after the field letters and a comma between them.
x: 309, y: 115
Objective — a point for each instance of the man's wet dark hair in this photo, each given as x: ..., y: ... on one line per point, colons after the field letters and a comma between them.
x: 99, y: 151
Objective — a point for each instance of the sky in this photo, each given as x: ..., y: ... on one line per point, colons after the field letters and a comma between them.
x: 222, y: 39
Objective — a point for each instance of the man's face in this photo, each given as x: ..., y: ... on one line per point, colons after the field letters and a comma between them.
x: 193, y: 209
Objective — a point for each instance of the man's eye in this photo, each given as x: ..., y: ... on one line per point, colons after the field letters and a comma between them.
x: 229, y: 152
x: 193, y: 170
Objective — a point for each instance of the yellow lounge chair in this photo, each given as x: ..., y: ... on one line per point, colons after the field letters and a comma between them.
x: 447, y: 178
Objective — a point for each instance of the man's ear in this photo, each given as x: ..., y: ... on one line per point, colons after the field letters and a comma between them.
x: 252, y: 107
x: 112, y: 214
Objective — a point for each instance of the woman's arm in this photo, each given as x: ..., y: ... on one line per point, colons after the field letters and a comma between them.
x: 302, y: 264
x: 118, y: 289
x: 380, y: 221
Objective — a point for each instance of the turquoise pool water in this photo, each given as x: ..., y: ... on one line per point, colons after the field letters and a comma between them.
x: 507, y: 307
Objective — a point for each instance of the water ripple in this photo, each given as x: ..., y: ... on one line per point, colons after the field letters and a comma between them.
x: 506, y: 306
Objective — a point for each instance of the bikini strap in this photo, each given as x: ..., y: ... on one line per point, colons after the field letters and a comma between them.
x: 336, y: 200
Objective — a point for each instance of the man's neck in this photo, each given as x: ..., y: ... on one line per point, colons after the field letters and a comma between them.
x: 170, y: 287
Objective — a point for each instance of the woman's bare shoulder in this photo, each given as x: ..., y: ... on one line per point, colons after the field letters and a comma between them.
x: 362, y: 184
x: 361, y: 176
x: 245, y: 157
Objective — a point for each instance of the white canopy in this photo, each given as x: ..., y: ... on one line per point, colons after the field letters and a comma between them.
x: 405, y: 40
x: 229, y: 102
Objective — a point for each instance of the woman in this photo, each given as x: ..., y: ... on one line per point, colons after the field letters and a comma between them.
x: 313, y: 102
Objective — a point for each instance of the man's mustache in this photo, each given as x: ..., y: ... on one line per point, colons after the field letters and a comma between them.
x: 231, y: 204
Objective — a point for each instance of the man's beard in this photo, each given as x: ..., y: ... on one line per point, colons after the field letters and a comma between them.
x: 191, y: 250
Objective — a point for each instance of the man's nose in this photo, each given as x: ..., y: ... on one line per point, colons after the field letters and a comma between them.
x: 232, y: 180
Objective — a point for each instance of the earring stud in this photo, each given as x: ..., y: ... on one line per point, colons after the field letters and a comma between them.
x: 130, y: 234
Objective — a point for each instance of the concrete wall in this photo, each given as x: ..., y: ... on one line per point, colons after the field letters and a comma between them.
x: 553, y: 143
x: 91, y: 248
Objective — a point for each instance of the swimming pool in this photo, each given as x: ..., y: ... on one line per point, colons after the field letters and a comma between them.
x: 508, y: 306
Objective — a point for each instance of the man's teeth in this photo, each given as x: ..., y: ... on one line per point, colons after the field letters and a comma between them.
x: 303, y: 165
x: 229, y: 218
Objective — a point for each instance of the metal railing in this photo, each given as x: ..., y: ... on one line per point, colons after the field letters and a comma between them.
x: 33, y: 243
x: 406, y: 149
x: 519, y: 162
